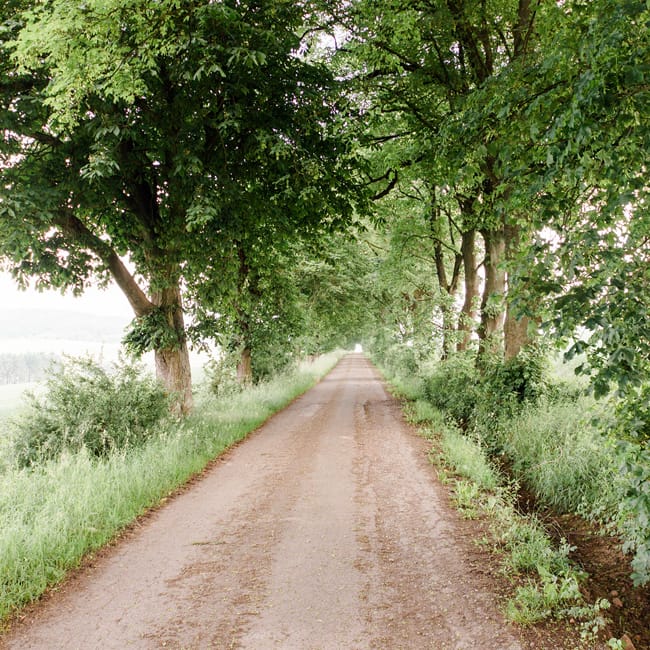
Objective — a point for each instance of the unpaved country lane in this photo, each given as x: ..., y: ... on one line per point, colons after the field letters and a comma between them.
x: 324, y: 530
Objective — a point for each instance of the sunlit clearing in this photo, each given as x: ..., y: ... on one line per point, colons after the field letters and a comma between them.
x: 358, y: 348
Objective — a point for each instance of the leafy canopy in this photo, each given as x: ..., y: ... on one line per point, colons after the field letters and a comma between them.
x: 162, y: 131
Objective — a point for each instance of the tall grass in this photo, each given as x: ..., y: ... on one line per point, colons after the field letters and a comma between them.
x: 567, y: 462
x: 53, y: 514
x: 467, y: 458
x: 551, y: 433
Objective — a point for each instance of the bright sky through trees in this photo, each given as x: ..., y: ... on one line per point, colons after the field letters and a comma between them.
x: 109, y: 301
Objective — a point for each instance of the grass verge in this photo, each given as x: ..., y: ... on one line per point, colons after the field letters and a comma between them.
x: 545, y: 584
x: 54, y: 514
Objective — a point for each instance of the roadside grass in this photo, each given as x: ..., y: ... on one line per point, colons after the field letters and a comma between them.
x: 560, y: 455
x: 54, y: 514
x: 545, y: 584
x: 552, y: 440
x: 409, y: 386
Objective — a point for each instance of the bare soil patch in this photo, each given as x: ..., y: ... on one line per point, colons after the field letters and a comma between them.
x: 609, y: 570
x: 600, y: 555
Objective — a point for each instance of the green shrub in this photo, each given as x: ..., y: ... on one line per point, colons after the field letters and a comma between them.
x: 86, y: 405
x: 453, y: 387
x: 635, y: 509
x: 400, y: 360
x: 506, y: 385
x: 222, y: 375
x: 632, y: 428
x: 507, y: 388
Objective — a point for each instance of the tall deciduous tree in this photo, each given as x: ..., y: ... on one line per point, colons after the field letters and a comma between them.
x: 140, y: 139
x: 431, y: 63
x: 589, y: 131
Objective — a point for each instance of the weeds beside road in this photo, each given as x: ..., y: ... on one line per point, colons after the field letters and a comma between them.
x: 518, y: 433
x: 52, y: 514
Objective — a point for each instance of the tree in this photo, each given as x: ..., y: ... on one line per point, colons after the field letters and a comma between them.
x: 141, y: 139
x: 433, y: 64
x: 254, y: 312
x: 337, y: 293
x: 591, y: 131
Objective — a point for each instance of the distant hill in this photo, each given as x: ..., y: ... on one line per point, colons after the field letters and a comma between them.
x: 53, y: 324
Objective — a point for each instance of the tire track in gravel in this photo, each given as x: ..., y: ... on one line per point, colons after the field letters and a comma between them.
x: 324, y: 530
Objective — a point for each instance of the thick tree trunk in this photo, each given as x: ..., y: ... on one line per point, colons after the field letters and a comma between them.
x: 492, y: 303
x: 173, y: 363
x: 516, y: 333
x: 516, y: 330
x: 466, y: 321
x: 244, y: 367
x: 173, y: 370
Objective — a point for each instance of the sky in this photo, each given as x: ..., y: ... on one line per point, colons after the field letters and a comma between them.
x: 109, y: 301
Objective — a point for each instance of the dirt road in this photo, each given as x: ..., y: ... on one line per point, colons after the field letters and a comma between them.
x: 324, y: 530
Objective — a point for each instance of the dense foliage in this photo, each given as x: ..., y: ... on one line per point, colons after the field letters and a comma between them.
x: 86, y: 406
x: 169, y: 134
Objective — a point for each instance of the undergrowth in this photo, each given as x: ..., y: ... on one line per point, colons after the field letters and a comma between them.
x: 561, y: 455
x: 53, y: 513
x: 575, y: 454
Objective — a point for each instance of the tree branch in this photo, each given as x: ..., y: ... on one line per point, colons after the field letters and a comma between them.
x: 79, y: 232
x: 389, y: 188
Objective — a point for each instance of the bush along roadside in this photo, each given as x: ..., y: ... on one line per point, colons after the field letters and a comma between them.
x: 61, y: 503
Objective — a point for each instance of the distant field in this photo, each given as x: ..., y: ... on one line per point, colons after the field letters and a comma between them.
x: 11, y: 398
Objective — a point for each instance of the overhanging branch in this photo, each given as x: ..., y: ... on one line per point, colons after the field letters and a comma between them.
x: 75, y: 229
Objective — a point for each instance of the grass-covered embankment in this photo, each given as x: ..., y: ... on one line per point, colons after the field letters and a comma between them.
x: 545, y: 583
x: 55, y: 512
x: 551, y: 435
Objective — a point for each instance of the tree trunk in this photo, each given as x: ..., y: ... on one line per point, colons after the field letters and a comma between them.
x: 247, y: 289
x: 492, y: 303
x: 173, y: 370
x: 517, y: 331
x: 244, y: 367
x: 173, y: 363
x: 468, y: 313
x: 448, y: 286
x: 448, y: 331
